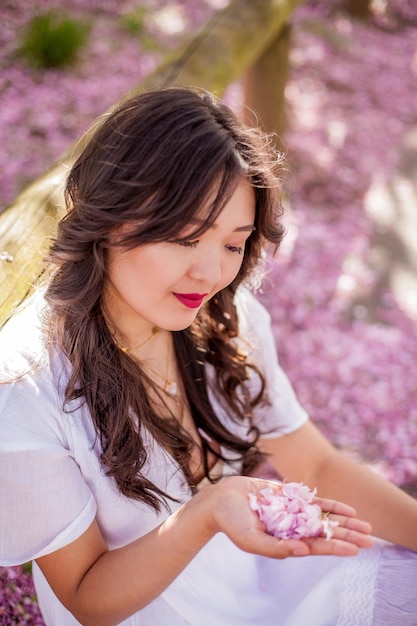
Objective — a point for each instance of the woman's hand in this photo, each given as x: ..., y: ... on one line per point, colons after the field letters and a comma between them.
x: 232, y: 515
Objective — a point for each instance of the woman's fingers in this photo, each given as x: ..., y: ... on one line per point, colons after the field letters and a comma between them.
x: 335, y: 506
x: 354, y: 531
x: 345, y: 543
x: 349, y: 528
x: 320, y: 546
x: 351, y: 523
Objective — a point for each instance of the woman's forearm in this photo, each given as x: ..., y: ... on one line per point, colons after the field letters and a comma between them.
x: 120, y: 582
x: 391, y: 512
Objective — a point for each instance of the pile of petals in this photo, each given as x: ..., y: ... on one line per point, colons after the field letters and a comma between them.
x: 288, y: 512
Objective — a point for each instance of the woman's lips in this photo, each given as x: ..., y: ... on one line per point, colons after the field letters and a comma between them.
x: 190, y: 300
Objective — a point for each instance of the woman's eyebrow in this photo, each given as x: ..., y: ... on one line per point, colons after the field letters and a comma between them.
x: 246, y: 228
x: 249, y: 228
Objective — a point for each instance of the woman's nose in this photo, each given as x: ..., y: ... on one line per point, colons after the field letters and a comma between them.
x: 206, y: 268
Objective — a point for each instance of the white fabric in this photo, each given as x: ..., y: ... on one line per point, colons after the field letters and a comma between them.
x: 52, y: 486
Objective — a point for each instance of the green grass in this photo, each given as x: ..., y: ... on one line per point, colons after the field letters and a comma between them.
x: 53, y: 40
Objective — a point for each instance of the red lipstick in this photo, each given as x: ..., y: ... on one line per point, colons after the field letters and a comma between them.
x: 190, y: 300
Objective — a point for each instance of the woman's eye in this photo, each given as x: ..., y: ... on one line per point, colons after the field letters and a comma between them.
x: 238, y: 249
x: 189, y: 244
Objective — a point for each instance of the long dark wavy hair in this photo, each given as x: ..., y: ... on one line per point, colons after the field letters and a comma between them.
x: 153, y: 162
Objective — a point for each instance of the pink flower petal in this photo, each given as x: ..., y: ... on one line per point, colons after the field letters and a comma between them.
x: 288, y: 513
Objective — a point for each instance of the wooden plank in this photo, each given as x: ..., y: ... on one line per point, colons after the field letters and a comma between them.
x: 25, y: 230
x: 213, y: 58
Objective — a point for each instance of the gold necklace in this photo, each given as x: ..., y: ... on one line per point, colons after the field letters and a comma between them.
x: 170, y: 386
x: 154, y: 332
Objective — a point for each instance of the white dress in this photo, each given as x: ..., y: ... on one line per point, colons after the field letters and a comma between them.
x: 52, y: 487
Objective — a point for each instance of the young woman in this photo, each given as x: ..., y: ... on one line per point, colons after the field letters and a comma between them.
x: 141, y: 389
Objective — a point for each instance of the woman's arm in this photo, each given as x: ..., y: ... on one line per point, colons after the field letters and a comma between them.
x: 102, y: 587
x: 306, y: 456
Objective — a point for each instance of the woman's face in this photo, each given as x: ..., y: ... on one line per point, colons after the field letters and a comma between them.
x: 165, y: 284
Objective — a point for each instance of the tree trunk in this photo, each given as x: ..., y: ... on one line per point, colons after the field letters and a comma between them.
x: 265, y: 85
